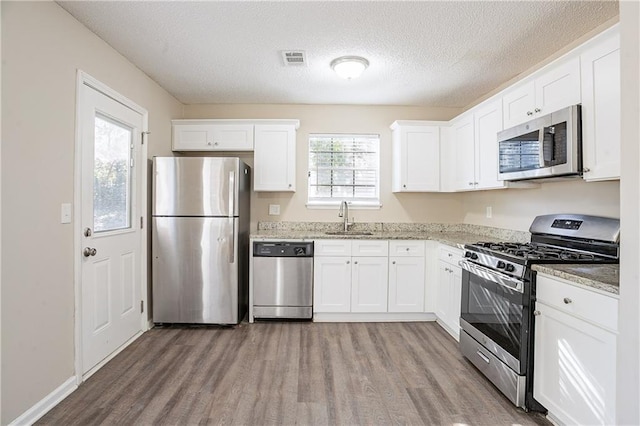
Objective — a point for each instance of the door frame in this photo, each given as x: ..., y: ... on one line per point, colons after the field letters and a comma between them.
x: 85, y: 79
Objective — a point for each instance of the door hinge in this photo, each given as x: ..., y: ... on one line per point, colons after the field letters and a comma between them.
x: 141, y: 222
x: 142, y: 306
x: 142, y: 137
x: 132, y: 162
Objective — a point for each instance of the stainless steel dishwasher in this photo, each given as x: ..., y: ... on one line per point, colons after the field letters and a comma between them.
x: 283, y: 280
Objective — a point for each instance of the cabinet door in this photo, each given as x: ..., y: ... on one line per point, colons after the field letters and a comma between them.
x: 419, y: 159
x: 488, y: 122
x: 574, y: 368
x: 406, y: 284
x: 443, y: 292
x: 558, y: 88
x: 518, y: 104
x: 332, y: 284
x: 274, y: 158
x: 369, y: 280
x: 192, y: 137
x: 601, y: 110
x: 232, y: 137
x: 455, y: 300
x: 463, y: 138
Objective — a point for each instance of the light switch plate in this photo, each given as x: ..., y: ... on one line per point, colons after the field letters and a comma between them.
x: 274, y: 209
x: 65, y: 213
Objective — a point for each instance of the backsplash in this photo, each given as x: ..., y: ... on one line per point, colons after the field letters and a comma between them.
x: 495, y: 233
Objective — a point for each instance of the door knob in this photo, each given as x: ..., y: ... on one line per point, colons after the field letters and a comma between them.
x: 536, y: 313
x: 87, y: 232
x: 88, y: 251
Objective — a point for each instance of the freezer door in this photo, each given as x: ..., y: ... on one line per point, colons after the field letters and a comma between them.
x: 195, y: 270
x: 195, y: 186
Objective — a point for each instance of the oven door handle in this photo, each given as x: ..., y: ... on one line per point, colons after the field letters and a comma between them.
x: 492, y: 276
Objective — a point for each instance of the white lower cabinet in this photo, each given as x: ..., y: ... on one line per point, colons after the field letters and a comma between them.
x: 406, y: 276
x: 369, y: 284
x: 575, y: 353
x: 449, y: 290
x: 332, y: 284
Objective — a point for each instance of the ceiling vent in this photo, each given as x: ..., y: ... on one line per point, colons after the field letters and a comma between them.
x: 294, y: 57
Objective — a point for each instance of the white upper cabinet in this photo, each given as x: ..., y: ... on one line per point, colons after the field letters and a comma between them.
x: 275, y: 157
x: 416, y: 156
x: 550, y: 91
x: 600, y: 65
x: 211, y: 135
x: 474, y: 135
x: 462, y: 137
x: 488, y: 122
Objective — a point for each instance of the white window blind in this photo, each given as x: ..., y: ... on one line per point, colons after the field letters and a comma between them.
x: 344, y: 168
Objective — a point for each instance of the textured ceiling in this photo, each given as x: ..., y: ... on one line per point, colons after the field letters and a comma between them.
x: 425, y: 53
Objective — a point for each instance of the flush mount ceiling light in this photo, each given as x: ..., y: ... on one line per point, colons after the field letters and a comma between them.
x: 349, y: 67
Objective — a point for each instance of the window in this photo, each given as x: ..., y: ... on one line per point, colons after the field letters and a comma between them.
x: 344, y: 168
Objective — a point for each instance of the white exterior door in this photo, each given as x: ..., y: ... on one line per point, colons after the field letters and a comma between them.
x: 110, y: 252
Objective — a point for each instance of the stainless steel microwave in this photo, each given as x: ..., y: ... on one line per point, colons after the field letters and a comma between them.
x: 548, y: 146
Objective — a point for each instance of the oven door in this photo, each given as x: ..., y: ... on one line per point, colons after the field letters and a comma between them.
x: 494, y: 311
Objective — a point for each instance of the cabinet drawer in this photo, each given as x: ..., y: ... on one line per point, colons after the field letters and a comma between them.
x: 450, y: 254
x: 594, y: 307
x: 332, y: 247
x: 406, y: 248
x: 369, y: 248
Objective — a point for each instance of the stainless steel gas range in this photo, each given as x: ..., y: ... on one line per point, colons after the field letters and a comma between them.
x: 498, y: 294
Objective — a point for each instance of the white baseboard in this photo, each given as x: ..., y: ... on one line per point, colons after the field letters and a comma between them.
x: 454, y: 333
x: 372, y: 317
x: 42, y: 407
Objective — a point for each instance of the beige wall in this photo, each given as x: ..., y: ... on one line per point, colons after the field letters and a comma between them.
x: 445, y: 208
x: 516, y: 208
x: 42, y: 46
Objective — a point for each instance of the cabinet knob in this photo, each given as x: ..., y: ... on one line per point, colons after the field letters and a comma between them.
x: 536, y: 313
x: 355, y: 263
x: 537, y: 110
x: 215, y: 143
x: 407, y: 249
x: 470, y: 183
x: 290, y: 185
x: 586, y: 170
x: 566, y: 300
x: 393, y: 263
x: 449, y: 254
x: 475, y: 183
x: 348, y: 262
x: 404, y: 186
x: 529, y: 113
x: 209, y: 143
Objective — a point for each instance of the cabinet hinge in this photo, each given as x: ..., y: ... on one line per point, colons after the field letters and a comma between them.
x: 141, y: 222
x: 142, y: 306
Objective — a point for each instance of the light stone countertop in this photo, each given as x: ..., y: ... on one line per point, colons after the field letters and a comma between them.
x: 601, y: 277
x: 455, y: 239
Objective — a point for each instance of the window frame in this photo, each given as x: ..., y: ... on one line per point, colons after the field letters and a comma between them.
x: 334, y: 202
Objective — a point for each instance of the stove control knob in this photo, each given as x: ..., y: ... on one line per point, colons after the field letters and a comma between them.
x: 500, y: 264
x: 510, y: 268
x: 474, y: 256
x: 467, y: 254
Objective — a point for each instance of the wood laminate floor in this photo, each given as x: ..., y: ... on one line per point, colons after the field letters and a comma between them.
x: 286, y: 373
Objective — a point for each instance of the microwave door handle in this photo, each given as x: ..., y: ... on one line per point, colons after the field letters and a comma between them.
x: 541, y: 162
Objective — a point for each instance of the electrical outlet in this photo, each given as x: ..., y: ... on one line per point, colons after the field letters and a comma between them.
x: 274, y: 209
x: 489, y: 212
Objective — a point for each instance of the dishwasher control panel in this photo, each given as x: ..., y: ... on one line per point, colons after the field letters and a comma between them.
x: 283, y: 249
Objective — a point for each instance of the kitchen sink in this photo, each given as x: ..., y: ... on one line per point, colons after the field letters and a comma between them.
x: 348, y: 233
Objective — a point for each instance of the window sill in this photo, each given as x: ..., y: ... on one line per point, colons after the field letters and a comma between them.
x: 353, y: 205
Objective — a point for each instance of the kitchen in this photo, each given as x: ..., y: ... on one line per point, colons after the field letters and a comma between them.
x: 37, y: 360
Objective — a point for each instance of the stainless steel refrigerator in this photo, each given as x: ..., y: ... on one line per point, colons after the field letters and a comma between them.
x: 200, y: 240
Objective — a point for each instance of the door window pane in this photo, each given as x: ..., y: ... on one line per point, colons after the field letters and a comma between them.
x: 111, y: 175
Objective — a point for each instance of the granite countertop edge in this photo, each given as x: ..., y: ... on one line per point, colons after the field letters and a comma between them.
x: 605, y: 278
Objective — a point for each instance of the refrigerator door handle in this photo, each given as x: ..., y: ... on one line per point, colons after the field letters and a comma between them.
x: 232, y: 244
x: 232, y: 191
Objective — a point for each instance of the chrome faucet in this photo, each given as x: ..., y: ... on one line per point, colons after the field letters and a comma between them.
x: 344, y: 213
